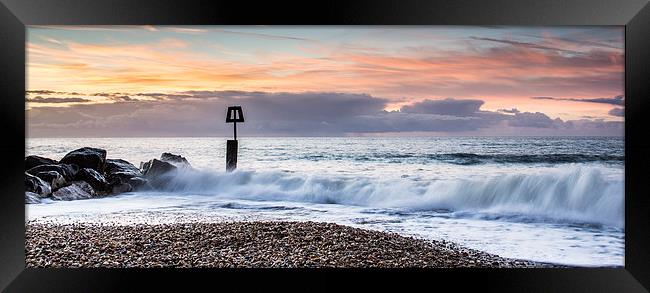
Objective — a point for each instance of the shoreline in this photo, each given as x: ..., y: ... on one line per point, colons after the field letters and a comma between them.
x: 245, y: 244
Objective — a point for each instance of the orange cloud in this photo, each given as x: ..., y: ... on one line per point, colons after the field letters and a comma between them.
x: 504, y: 75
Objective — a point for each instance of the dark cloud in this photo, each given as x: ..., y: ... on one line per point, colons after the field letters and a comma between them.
x: 619, y: 112
x: 509, y: 111
x: 293, y: 114
x: 305, y: 106
x: 537, y: 120
x: 447, y: 106
x: 618, y: 100
x: 583, y: 42
x: 49, y: 92
x: 39, y: 99
x: 41, y: 92
x: 123, y: 98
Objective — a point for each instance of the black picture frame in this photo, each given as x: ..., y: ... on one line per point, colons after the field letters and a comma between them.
x: 633, y: 14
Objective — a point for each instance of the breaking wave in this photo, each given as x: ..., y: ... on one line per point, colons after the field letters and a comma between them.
x: 571, y: 194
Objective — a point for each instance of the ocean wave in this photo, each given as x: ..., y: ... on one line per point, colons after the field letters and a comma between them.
x: 473, y: 159
x: 573, y: 194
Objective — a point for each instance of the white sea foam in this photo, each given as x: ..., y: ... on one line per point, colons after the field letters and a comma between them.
x: 571, y: 194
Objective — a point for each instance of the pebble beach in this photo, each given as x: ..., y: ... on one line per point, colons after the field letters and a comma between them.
x: 254, y: 244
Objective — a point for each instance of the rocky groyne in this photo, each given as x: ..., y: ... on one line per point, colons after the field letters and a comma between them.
x: 87, y: 173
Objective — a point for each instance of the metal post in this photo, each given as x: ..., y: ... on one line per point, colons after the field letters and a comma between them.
x: 234, y: 114
x: 231, y: 155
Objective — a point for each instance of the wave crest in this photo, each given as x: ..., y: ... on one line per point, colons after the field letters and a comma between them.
x: 578, y: 194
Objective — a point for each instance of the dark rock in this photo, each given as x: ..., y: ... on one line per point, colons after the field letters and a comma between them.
x: 31, y: 197
x: 138, y: 183
x: 122, y: 176
x: 76, y: 190
x: 144, y: 166
x: 156, y: 168
x: 122, y: 167
x: 37, y: 185
x: 33, y: 161
x: 156, y: 172
x: 124, y: 183
x: 86, y: 157
x: 92, y: 177
x: 120, y: 171
x: 54, y: 178
x: 68, y: 171
x: 120, y: 188
x: 176, y: 160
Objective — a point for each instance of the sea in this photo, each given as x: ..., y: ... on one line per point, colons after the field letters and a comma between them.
x: 548, y: 199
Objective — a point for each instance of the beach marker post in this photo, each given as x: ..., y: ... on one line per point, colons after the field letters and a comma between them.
x: 234, y: 114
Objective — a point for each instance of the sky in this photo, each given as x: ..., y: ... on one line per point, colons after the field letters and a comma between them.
x: 113, y: 81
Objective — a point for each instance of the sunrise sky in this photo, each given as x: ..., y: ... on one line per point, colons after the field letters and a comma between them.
x: 430, y: 80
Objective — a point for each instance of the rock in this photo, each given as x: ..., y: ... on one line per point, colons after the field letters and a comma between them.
x: 86, y: 157
x: 54, y: 178
x: 120, y: 185
x: 37, y: 185
x: 154, y: 172
x: 176, y: 160
x: 121, y: 166
x: 77, y: 190
x: 120, y: 188
x: 119, y: 177
x: 156, y: 168
x: 144, y: 166
x: 31, y: 197
x: 124, y: 184
x: 92, y: 177
x: 138, y: 182
x: 33, y: 161
x: 68, y: 171
x: 120, y: 171
x: 122, y: 176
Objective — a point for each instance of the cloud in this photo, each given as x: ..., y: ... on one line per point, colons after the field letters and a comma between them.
x: 201, y: 113
x: 524, y: 44
x: 108, y: 95
x: 41, y: 92
x: 503, y: 69
x: 50, y: 92
x: 163, y: 96
x: 508, y: 111
x: 447, y: 106
x: 537, y: 120
x: 39, y: 99
x: 123, y: 98
x: 619, y: 112
x: 618, y: 100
